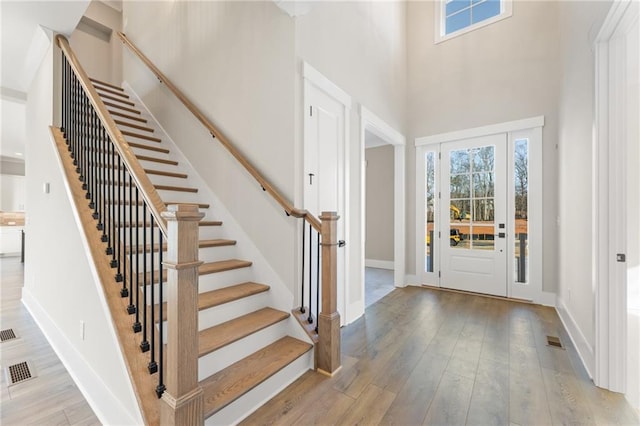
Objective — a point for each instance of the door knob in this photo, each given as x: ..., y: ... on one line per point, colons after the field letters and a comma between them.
x: 342, y: 243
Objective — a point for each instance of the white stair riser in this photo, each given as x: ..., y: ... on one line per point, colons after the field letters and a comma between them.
x: 222, y: 358
x: 222, y: 313
x: 225, y: 279
x: 252, y: 400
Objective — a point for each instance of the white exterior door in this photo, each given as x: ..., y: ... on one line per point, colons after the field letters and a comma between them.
x: 473, y: 211
x: 324, y: 167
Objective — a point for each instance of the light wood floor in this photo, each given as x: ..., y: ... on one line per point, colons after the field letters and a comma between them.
x: 422, y: 356
x: 52, y: 398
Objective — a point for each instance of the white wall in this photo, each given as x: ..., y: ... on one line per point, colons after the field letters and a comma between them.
x: 235, y: 61
x: 60, y: 288
x: 579, y: 22
x: 379, y: 203
x: 96, y: 43
x: 506, y: 71
x: 361, y: 47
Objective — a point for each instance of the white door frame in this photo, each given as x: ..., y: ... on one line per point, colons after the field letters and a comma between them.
x: 609, y: 190
x: 312, y: 79
x: 374, y: 124
x: 532, y: 129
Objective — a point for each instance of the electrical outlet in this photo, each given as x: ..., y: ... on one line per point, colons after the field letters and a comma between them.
x: 82, y: 330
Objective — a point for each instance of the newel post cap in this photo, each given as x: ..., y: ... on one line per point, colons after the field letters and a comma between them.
x: 329, y: 216
x: 182, y: 212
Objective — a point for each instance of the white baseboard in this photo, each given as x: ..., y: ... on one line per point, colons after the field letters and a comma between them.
x: 585, y: 352
x: 382, y: 264
x: 109, y: 410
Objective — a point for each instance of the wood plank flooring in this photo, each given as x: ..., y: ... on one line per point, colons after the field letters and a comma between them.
x: 423, y: 356
x: 52, y: 398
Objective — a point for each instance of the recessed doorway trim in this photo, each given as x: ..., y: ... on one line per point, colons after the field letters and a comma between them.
x: 374, y: 124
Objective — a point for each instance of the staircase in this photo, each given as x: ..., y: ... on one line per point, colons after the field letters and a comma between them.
x: 202, y: 320
x: 243, y: 343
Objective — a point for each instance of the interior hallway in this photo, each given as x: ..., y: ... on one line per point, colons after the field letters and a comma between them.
x: 423, y: 356
x: 377, y: 284
x: 51, y: 398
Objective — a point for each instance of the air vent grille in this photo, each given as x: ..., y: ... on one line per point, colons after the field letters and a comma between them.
x: 554, y: 341
x: 18, y: 373
x: 7, y: 334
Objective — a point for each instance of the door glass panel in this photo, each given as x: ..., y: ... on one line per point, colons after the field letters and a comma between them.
x: 521, y: 182
x: 430, y: 209
x: 472, y: 215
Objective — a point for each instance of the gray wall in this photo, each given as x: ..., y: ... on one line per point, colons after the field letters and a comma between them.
x: 379, y: 200
x: 507, y: 71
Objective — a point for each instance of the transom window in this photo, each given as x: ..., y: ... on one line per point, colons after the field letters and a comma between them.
x: 457, y: 17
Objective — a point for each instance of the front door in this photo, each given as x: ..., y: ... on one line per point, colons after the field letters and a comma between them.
x: 473, y: 212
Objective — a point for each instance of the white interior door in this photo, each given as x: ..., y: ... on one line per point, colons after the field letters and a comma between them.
x: 473, y: 215
x: 324, y: 173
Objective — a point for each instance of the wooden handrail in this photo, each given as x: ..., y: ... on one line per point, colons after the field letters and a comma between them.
x: 264, y: 183
x: 140, y: 178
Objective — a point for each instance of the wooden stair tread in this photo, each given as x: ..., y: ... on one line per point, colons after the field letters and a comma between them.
x: 175, y: 188
x: 141, y: 224
x: 219, y: 242
x: 156, y: 160
x: 229, y: 294
x: 218, y: 336
x: 148, y: 147
x: 223, y: 265
x: 227, y: 385
x: 127, y: 116
x: 204, y: 269
x: 140, y: 136
x: 165, y: 173
x: 122, y: 107
x: 111, y: 91
x: 134, y: 126
x: 103, y: 83
x: 225, y: 295
x: 116, y: 98
x: 200, y: 205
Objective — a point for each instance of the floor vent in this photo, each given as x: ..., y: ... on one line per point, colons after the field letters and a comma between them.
x: 7, y: 334
x: 18, y: 373
x: 554, y: 341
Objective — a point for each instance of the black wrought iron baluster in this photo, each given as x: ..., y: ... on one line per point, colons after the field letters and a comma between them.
x: 317, y: 281
x: 65, y: 97
x: 304, y: 231
x: 102, y: 213
x: 117, y: 244
x: 136, y: 325
x: 108, y: 182
x: 82, y: 144
x: 122, y: 231
x: 153, y: 366
x: 144, y: 345
x: 131, y: 309
x: 160, y: 388
x: 91, y: 139
x: 310, y: 317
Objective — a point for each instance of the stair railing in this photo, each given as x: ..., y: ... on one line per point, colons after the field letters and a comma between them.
x: 136, y: 228
x: 321, y: 281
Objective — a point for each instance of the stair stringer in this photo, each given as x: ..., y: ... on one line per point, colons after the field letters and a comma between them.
x: 280, y: 297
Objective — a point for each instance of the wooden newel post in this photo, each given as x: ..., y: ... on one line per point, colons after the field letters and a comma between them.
x: 182, y: 401
x: 329, y: 319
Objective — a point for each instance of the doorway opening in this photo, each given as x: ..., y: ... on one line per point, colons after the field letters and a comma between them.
x: 379, y: 194
x: 382, y: 151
